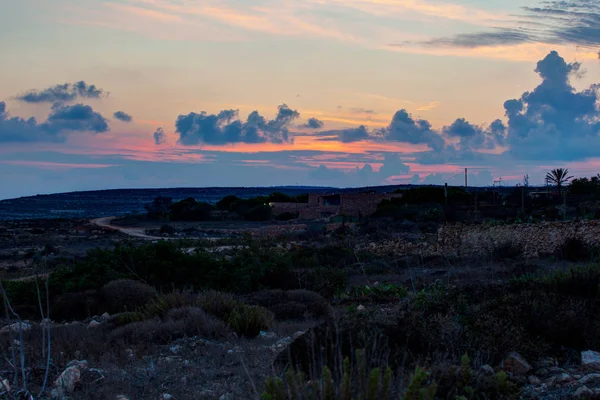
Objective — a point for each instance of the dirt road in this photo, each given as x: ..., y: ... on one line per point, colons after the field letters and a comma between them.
x: 105, y: 223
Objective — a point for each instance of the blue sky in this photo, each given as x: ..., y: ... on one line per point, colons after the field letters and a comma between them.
x: 158, y: 93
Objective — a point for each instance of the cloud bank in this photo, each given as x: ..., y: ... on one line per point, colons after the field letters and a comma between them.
x: 226, y: 128
x: 65, y: 92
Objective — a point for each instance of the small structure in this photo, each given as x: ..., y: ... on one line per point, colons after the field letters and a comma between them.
x: 321, y: 205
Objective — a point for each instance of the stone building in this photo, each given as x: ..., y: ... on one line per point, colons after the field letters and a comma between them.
x: 321, y: 205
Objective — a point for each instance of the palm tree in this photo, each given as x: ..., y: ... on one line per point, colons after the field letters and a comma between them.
x: 559, y: 177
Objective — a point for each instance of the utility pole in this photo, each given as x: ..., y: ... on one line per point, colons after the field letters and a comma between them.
x: 466, y: 179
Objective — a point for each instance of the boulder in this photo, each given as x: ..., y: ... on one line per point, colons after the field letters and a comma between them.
x: 14, y: 328
x: 583, y: 393
x: 590, y: 360
x: 515, y: 364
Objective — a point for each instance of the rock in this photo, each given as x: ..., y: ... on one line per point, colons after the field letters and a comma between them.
x: 94, y: 324
x: 547, y: 362
x: 226, y: 396
x: 590, y: 360
x: 166, y: 396
x: 563, y: 379
x: 487, y: 370
x: 514, y: 363
x: 122, y: 397
x: 66, y: 382
x: 268, y: 335
x: 298, y: 334
x: 175, y: 349
x: 534, y: 380
x: 591, y: 378
x: 361, y: 308
x: 4, y: 387
x: 236, y: 349
x: 130, y: 354
x: 14, y: 328
x: 583, y: 393
x: 105, y: 317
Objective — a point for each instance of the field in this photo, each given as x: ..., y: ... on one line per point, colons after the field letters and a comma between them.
x: 278, y: 310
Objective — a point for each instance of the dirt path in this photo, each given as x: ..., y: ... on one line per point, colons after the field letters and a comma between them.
x: 105, y: 223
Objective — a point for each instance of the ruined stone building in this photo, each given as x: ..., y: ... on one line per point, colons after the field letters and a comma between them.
x: 322, y: 205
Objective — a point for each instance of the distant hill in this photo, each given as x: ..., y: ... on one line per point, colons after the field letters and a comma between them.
x: 99, y: 203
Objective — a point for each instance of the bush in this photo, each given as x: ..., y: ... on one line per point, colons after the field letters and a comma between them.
x: 127, y: 294
x: 221, y: 305
x: 292, y: 304
x: 160, y: 306
x: 248, y: 321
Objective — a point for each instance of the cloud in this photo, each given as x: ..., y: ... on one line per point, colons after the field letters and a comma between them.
x: 78, y: 117
x: 123, y: 116
x: 63, y: 93
x: 159, y: 136
x: 554, y: 121
x: 576, y: 22
x: 225, y: 127
x: 365, y: 175
x: 403, y: 128
x: 62, y: 119
x: 473, y: 137
x: 361, y: 110
x: 313, y: 123
x: 348, y: 135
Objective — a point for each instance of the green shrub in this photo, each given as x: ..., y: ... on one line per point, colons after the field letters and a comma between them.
x: 219, y: 304
x: 248, y: 321
x: 161, y: 305
x: 127, y: 294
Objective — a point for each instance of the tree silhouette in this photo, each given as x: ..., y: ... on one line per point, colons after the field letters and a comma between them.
x: 559, y: 177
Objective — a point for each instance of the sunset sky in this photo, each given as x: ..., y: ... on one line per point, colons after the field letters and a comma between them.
x: 98, y: 94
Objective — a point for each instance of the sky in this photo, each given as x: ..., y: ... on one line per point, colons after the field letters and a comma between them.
x: 101, y: 94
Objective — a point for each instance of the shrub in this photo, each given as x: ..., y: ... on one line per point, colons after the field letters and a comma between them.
x: 219, y: 304
x: 248, y: 321
x: 292, y: 304
x: 160, y: 306
x: 178, y: 323
x: 168, y: 229
x: 197, y: 322
x: 127, y: 294
x: 75, y: 306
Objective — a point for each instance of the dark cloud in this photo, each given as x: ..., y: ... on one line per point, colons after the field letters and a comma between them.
x: 554, y: 121
x: 63, y: 93
x: 225, y: 127
x: 499, y: 37
x: 361, y: 110
x: 575, y: 22
x: 473, y: 137
x: 313, y: 123
x: 78, y: 117
x: 348, y: 135
x: 62, y: 119
x: 404, y: 128
x: 159, y: 137
x: 123, y: 116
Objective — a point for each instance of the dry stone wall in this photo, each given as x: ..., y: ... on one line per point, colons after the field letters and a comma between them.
x: 535, y: 239
x: 479, y: 241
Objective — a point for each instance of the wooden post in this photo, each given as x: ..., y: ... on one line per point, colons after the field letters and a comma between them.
x: 565, y: 205
x: 523, y: 201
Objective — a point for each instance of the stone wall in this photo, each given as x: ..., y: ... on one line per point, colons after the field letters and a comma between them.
x: 478, y: 241
x: 535, y: 239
